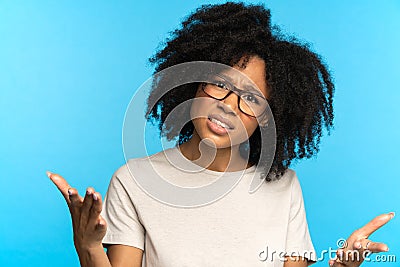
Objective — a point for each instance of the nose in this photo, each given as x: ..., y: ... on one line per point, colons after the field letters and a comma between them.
x: 230, y: 103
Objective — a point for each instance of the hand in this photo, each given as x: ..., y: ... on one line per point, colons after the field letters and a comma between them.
x: 358, y: 244
x: 88, y: 226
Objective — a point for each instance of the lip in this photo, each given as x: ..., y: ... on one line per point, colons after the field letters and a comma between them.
x: 216, y: 129
x: 222, y: 119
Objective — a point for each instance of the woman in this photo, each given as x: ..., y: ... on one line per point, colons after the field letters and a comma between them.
x: 224, y: 123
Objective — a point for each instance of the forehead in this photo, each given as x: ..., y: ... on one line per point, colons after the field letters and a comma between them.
x: 251, y: 76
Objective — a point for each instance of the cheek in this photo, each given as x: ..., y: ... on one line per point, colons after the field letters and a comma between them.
x: 245, y: 129
x: 250, y: 124
x: 200, y: 107
x: 195, y: 109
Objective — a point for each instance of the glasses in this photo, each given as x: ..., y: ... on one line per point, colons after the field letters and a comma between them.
x: 249, y: 101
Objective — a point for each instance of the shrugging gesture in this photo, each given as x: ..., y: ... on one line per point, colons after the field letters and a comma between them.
x: 89, y: 227
x: 358, y: 246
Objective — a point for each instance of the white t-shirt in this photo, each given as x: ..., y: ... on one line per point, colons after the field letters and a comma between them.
x: 239, y: 229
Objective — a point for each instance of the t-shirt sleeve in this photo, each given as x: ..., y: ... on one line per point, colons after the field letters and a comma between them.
x: 123, y: 224
x: 298, y: 242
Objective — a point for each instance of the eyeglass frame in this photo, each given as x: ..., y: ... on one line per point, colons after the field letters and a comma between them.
x: 235, y: 90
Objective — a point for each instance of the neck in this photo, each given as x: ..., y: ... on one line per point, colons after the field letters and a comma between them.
x: 206, y: 155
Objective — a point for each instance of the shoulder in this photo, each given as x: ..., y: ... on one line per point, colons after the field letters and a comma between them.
x: 294, y: 186
x: 294, y: 182
x: 289, y: 174
x: 124, y: 170
x: 286, y: 183
x: 292, y: 176
x: 141, y: 165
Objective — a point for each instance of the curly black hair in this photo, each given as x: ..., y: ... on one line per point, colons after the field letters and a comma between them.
x: 301, y: 86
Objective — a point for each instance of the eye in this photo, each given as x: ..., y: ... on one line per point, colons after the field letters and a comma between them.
x: 221, y: 85
x: 250, y: 98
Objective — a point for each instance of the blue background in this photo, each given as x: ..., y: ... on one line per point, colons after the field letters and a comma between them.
x: 69, y: 68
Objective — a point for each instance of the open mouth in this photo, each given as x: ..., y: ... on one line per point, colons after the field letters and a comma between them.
x: 221, y: 121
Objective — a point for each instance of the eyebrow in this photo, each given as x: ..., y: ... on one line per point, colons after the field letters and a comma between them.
x: 251, y: 87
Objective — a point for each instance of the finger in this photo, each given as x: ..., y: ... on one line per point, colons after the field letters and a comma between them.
x: 373, y: 225
x: 96, y: 209
x: 375, y: 247
x: 348, y: 257
x: 75, y: 203
x: 339, y: 256
x: 61, y: 184
x: 75, y: 199
x: 87, y: 204
x: 100, y: 228
x: 101, y: 224
x: 335, y: 263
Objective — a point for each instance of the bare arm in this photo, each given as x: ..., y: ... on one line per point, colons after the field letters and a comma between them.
x: 124, y: 256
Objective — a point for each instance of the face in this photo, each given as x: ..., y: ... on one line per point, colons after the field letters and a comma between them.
x: 223, y: 121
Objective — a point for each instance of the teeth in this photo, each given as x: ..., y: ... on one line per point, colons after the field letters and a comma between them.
x: 220, y: 123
